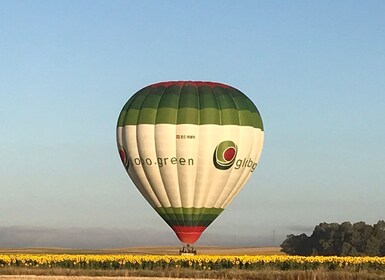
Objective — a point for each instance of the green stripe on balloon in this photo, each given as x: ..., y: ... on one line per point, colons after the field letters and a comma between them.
x: 190, y: 210
x: 190, y: 116
x: 189, y: 216
x: 174, y: 103
x: 189, y: 96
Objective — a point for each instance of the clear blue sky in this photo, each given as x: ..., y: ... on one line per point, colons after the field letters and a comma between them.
x: 315, y: 70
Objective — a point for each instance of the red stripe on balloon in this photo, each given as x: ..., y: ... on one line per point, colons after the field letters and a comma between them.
x: 188, y: 234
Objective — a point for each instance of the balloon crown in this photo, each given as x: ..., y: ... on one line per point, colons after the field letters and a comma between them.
x: 189, y: 83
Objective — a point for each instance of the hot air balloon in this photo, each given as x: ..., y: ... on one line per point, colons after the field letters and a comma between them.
x: 189, y: 147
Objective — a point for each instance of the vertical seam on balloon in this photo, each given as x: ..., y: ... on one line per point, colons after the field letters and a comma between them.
x: 147, y: 196
x: 132, y: 101
x: 197, y: 210
x: 176, y: 151
x: 239, y: 141
x: 197, y: 152
x: 165, y: 189
x: 255, y: 110
x: 233, y: 193
x: 245, y: 179
x: 218, y: 105
x: 245, y: 175
x: 137, y: 143
x: 220, y: 123
x: 259, y: 149
x: 122, y: 116
x: 156, y: 152
x: 261, y: 138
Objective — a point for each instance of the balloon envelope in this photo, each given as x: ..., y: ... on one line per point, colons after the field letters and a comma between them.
x: 189, y: 147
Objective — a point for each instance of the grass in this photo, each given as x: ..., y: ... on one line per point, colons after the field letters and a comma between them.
x: 195, y: 274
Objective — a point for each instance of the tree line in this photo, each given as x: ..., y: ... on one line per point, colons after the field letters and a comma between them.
x: 333, y: 239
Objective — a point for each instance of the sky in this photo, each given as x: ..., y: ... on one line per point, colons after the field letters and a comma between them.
x: 314, y: 69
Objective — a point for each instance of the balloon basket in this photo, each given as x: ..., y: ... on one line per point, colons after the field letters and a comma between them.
x: 187, y: 251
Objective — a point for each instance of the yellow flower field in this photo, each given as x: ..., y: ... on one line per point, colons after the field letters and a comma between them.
x: 200, y: 262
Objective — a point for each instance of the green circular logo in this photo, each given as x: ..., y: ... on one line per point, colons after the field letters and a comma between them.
x: 225, y: 154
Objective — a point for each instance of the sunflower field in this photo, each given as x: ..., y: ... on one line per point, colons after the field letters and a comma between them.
x: 198, y: 262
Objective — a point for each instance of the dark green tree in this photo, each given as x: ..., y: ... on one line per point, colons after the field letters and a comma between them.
x: 297, y: 245
x: 324, y: 239
x: 379, y: 233
x: 344, y: 239
x: 360, y: 237
x: 343, y: 247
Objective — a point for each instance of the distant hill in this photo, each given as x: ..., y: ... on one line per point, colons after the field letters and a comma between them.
x: 96, y: 238
x: 150, y: 250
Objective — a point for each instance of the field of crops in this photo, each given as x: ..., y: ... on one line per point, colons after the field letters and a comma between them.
x: 200, y: 266
x: 199, y: 262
